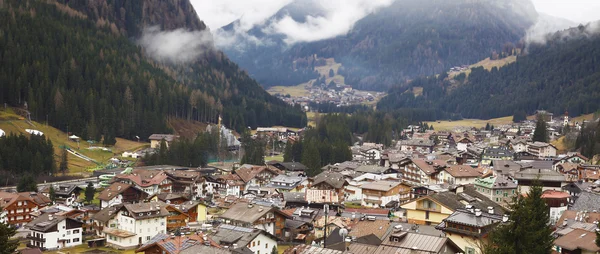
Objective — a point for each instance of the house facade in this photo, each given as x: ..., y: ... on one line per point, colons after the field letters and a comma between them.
x: 52, y: 232
x: 17, y: 208
x: 500, y: 189
x: 380, y: 193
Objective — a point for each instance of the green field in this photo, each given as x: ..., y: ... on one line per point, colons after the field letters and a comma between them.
x: 450, y: 125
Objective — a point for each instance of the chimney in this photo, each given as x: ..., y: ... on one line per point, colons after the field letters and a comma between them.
x: 490, y: 209
x: 478, y: 212
x: 50, y: 217
x: 470, y: 208
x: 505, y: 218
x: 235, y: 245
x: 119, y: 187
x: 250, y: 206
x: 260, y: 209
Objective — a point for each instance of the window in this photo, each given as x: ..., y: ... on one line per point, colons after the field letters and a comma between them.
x: 75, y: 240
x: 469, y: 250
x: 258, y: 242
x: 266, y: 246
x: 68, y: 232
x: 147, y: 238
x: 253, y: 244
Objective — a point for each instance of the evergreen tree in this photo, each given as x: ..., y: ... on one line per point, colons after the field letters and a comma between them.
x: 287, y: 154
x: 7, y: 245
x: 331, y: 73
x: 27, y: 184
x: 527, y: 230
x: 52, y: 193
x: 597, y: 238
x: 311, y: 159
x: 541, y: 132
x: 487, y: 126
x: 64, y: 162
x: 89, y: 193
x: 274, y: 250
x: 519, y: 116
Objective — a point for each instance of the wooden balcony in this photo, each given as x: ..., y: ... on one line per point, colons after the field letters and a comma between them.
x: 35, y: 238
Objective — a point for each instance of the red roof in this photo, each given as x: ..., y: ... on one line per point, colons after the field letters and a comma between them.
x: 555, y: 194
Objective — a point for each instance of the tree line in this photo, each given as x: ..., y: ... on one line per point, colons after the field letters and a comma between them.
x: 185, y: 152
x: 22, y: 155
x: 81, y: 78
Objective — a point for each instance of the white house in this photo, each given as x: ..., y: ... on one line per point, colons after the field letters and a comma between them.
x: 51, y: 232
x: 541, y: 149
x: 459, y: 174
x: 129, y: 225
x: 377, y: 194
x: 236, y: 238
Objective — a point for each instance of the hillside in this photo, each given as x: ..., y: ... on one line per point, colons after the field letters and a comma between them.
x: 80, y: 67
x: 563, y: 74
x: 12, y: 123
x: 407, y: 39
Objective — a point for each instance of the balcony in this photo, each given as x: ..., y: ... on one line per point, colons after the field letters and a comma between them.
x: 37, y: 239
x: 432, y: 209
x: 33, y: 246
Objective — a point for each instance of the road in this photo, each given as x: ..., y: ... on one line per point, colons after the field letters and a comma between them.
x: 79, y: 182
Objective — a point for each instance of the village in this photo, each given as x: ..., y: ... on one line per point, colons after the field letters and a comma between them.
x: 431, y: 192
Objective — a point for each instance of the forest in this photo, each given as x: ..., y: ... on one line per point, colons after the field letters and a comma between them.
x: 81, y: 77
x: 185, y: 152
x: 20, y: 155
x: 562, y: 75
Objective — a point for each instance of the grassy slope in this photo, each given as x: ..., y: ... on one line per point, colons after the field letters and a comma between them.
x: 10, y: 123
x: 487, y: 64
x: 450, y: 125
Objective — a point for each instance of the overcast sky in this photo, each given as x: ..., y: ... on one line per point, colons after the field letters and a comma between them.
x: 222, y: 12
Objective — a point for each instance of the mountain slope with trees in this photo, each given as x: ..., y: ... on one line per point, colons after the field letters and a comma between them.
x: 80, y: 69
x: 410, y: 38
x: 563, y: 74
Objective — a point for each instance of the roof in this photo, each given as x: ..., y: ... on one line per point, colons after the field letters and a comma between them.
x: 166, y: 137
x: 465, y: 217
x: 412, y: 243
x: 37, y: 198
x: 30, y: 251
x: 417, y: 142
x: 366, y: 227
x: 47, y: 221
x: 308, y: 249
x: 143, y: 177
x: 496, y: 182
x: 8, y: 198
x: 147, y: 210
x: 553, y: 194
x: 297, y: 197
x: 505, y: 167
x: 174, y: 245
x: 370, y: 169
x: 113, y: 190
x: 248, y: 173
x: 118, y: 232
x: 470, y: 196
x: 545, y: 175
x: 245, y: 212
x: 285, y: 182
x: 587, y: 201
x: 107, y: 213
x: 463, y: 171
x: 165, y: 196
x: 331, y: 178
x: 228, y: 235
x: 497, y: 152
x: 578, y: 239
x: 204, y: 249
x: 380, y: 185
x: 429, y: 166
x: 293, y: 166
x: 65, y: 190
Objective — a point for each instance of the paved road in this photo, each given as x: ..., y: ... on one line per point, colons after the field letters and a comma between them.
x: 80, y: 182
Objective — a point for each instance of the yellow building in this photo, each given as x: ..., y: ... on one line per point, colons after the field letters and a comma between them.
x: 426, y: 211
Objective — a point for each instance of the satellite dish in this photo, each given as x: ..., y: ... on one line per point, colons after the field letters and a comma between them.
x: 343, y: 232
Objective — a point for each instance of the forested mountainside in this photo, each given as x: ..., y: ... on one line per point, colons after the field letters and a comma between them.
x: 563, y: 74
x: 85, y: 74
x: 410, y: 38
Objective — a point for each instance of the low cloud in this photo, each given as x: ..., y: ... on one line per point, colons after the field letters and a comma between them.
x: 176, y: 46
x: 337, y: 18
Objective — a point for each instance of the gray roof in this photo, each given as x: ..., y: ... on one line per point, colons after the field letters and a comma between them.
x: 204, y: 249
x: 469, y: 195
x: 166, y: 137
x: 417, y: 142
x: 587, y: 201
x: 293, y: 166
x: 380, y: 185
x: 147, y: 210
x: 43, y: 222
x: 505, y: 167
x: 107, y: 213
x: 245, y: 212
x: 298, y: 197
x: 279, y: 181
x: 538, y: 164
x: 371, y: 169
x: 546, y: 175
x: 465, y: 217
x: 497, y: 152
x: 228, y: 235
x: 334, y: 179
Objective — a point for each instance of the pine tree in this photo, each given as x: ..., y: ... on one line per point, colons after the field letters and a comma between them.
x: 331, y: 73
x: 311, y: 158
x: 64, y: 162
x: 540, y: 133
x: 89, y: 193
x: 287, y: 154
x: 527, y: 230
x: 274, y: 250
x: 27, y: 184
x: 52, y: 193
x: 7, y: 245
x: 487, y: 126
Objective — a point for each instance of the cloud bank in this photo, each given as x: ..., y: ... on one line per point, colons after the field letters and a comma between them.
x: 176, y: 46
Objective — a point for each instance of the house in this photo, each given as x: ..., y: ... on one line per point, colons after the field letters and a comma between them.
x: 505, y: 167
x: 244, y: 240
x: 353, y: 191
x: 64, y: 192
x: 176, y: 218
x: 587, y: 201
x: 577, y: 241
x: 380, y: 193
x: 500, y: 188
x: 269, y: 219
x: 374, y: 169
x: 297, y: 230
x: 463, y: 144
x: 187, y: 182
x: 119, y: 193
x: 290, y: 166
x: 169, y: 198
x: 469, y: 228
x: 228, y: 184
x: 459, y: 174
x: 256, y: 176
x: 557, y: 202
x: 51, y: 232
x: 163, y: 243
x: 518, y: 145
x: 127, y: 226
x: 17, y: 207
x: 309, y: 249
x: 575, y: 158
x: 588, y: 173
x: 541, y: 149
x: 492, y: 154
x: 156, y: 139
x: 572, y: 219
x: 550, y: 179
x: 423, y: 171
x: 329, y: 181
x: 416, y: 145
x: 395, y: 161
x: 575, y: 188
x: 433, y: 209
x: 148, y: 180
x: 372, y: 232
x: 41, y: 200
x: 285, y: 183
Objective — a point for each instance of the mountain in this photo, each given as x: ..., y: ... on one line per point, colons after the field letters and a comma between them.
x: 562, y: 73
x: 83, y: 66
x: 407, y: 39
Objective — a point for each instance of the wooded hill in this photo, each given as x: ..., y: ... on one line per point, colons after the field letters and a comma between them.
x: 80, y: 69
x: 560, y: 75
x: 407, y: 39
